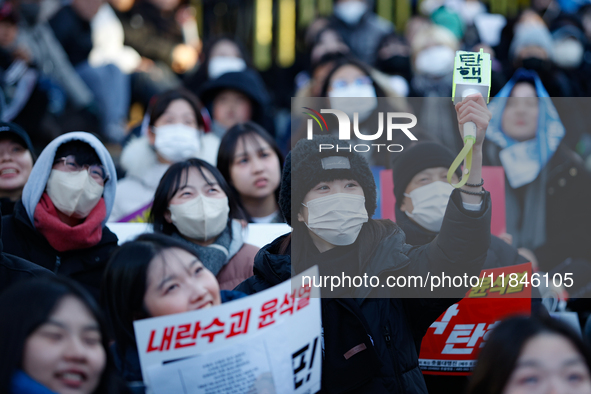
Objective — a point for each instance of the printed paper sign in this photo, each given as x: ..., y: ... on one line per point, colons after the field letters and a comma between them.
x: 265, y: 343
x: 451, y: 344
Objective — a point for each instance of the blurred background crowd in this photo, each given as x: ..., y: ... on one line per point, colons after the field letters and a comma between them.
x: 95, y: 65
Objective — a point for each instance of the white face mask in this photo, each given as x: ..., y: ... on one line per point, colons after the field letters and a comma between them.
x: 73, y: 193
x: 350, y: 12
x: 201, y: 218
x: 568, y: 53
x: 429, y: 204
x: 364, y: 107
x: 220, y: 65
x: 177, y: 142
x: 435, y: 61
x: 337, y: 218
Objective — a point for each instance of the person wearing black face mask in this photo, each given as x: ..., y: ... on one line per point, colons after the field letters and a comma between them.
x: 531, y: 49
x: 394, y: 57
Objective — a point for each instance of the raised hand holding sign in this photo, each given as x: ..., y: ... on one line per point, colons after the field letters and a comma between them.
x: 471, y: 78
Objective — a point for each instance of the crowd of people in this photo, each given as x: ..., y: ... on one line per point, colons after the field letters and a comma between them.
x: 113, y: 112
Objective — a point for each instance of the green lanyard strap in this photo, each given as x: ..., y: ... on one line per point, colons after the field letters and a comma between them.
x: 465, y: 153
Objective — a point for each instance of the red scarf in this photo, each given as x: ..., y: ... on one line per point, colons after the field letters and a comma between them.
x: 63, y: 237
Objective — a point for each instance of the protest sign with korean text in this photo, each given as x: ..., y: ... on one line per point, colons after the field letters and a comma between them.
x: 268, y: 342
x: 451, y: 344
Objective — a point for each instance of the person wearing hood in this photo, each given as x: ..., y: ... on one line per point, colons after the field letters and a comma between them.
x: 370, y: 342
x: 194, y: 204
x: 60, y: 221
x: 547, y: 188
x: 360, y: 27
x: 174, y: 130
x: 237, y: 97
x: 17, y: 156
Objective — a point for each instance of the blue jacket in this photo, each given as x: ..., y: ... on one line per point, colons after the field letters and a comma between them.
x: 24, y: 384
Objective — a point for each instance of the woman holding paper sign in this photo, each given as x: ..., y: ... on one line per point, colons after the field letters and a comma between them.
x: 53, y: 339
x: 547, y: 187
x: 371, y: 342
x: 155, y: 275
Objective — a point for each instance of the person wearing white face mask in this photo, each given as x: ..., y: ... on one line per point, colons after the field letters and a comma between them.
x: 422, y: 195
x: 352, y: 87
x: 173, y: 131
x: 60, y: 222
x: 220, y: 55
x: 329, y: 197
x: 360, y: 27
x: 194, y: 204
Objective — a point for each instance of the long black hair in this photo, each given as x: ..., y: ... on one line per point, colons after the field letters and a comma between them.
x: 27, y: 305
x: 499, y: 356
x: 124, y: 284
x: 174, y: 179
x: 227, y: 151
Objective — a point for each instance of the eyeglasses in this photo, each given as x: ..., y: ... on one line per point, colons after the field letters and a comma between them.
x: 96, y: 171
x: 359, y: 81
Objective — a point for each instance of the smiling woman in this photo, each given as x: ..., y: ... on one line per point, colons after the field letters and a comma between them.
x: 195, y: 205
x: 155, y: 275
x: 54, y: 342
x: 16, y: 163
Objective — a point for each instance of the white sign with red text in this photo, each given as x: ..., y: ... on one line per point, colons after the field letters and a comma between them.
x: 265, y: 343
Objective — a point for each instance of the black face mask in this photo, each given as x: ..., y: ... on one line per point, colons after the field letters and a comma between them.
x: 395, y: 65
x: 30, y: 12
x: 536, y: 64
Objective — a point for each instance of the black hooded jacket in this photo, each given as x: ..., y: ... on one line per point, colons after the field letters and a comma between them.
x: 13, y: 269
x: 500, y: 253
x: 85, y: 266
x: 386, y: 332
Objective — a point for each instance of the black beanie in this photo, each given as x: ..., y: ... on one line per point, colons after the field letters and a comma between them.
x: 303, y: 169
x: 416, y: 159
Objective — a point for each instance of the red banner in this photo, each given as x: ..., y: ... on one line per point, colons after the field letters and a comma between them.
x: 451, y: 344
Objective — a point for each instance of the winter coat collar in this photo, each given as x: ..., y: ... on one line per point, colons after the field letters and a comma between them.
x: 272, y: 266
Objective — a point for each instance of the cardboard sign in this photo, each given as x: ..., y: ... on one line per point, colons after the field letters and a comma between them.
x: 452, y: 343
x: 494, y: 182
x: 269, y: 342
